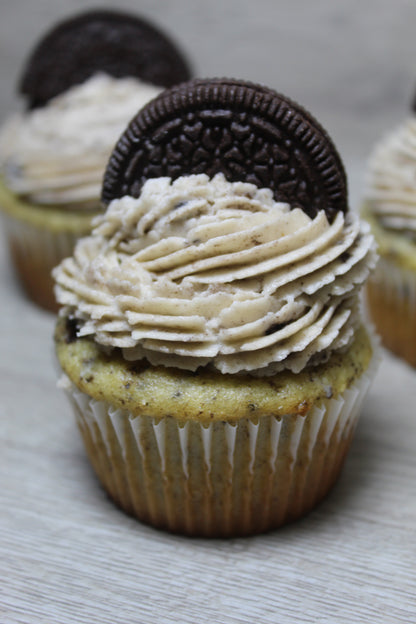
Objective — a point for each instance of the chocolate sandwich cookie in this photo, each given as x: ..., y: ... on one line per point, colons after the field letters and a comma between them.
x: 246, y: 131
x: 117, y: 43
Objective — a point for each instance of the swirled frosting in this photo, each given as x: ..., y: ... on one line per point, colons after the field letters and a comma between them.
x: 391, y: 180
x: 57, y: 154
x: 200, y: 271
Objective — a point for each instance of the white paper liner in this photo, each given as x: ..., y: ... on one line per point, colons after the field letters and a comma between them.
x: 36, y: 251
x: 391, y: 305
x: 269, y: 471
x: 398, y: 283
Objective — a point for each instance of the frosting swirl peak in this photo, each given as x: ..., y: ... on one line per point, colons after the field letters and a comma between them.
x: 200, y: 271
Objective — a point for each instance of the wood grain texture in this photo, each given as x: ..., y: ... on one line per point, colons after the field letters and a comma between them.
x: 69, y: 556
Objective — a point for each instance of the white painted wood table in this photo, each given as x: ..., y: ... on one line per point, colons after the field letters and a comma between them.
x: 67, y: 555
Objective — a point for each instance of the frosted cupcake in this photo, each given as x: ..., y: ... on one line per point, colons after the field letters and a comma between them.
x: 211, y: 338
x: 390, y: 207
x: 82, y: 84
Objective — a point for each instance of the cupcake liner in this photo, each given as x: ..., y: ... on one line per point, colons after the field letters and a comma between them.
x: 391, y: 301
x: 224, y: 478
x: 35, y: 252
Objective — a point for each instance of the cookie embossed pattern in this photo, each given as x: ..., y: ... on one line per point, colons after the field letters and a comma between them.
x: 211, y: 338
x: 116, y: 43
x: 248, y: 133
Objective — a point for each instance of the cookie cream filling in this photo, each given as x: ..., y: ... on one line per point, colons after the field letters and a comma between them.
x: 391, y: 183
x: 57, y: 154
x: 201, y: 271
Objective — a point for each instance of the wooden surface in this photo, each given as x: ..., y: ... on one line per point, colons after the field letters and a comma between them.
x: 67, y: 555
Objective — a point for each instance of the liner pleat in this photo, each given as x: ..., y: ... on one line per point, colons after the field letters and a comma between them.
x: 224, y: 478
x: 391, y: 300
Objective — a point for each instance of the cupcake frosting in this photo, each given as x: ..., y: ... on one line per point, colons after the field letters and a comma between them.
x: 57, y: 154
x: 199, y: 271
x: 391, y: 181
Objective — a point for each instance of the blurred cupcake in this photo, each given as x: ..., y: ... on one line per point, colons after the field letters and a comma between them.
x: 211, y: 338
x: 390, y: 207
x: 82, y: 84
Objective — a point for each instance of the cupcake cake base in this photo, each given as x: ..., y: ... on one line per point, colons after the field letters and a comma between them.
x: 391, y: 300
x: 209, y: 454
x: 39, y: 237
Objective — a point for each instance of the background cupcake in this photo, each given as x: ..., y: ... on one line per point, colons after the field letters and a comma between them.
x: 390, y: 207
x: 211, y: 336
x: 83, y: 82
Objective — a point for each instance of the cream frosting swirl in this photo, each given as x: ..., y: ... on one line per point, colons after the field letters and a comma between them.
x: 57, y: 154
x: 391, y: 180
x: 200, y: 271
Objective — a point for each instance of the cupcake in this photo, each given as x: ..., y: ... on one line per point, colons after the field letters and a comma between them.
x: 390, y: 207
x: 211, y: 338
x: 81, y: 85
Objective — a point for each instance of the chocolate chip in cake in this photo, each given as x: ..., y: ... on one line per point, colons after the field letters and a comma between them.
x: 71, y: 329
